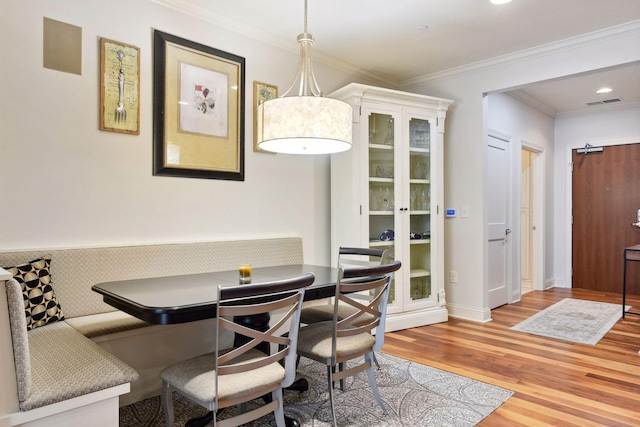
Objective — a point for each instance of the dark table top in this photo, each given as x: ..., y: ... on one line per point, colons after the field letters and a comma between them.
x: 186, y: 298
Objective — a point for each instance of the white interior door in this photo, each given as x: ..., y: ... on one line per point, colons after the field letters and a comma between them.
x: 498, y: 202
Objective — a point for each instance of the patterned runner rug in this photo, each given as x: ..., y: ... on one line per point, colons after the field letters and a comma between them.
x: 414, y: 394
x: 575, y: 320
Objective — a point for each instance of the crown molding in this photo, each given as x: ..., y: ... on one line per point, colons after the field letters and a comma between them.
x: 610, y: 33
x: 251, y: 31
x: 533, y: 102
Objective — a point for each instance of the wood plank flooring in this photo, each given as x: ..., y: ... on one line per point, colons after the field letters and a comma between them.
x: 556, y: 383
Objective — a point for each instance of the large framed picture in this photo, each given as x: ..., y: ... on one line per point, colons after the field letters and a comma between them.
x: 119, y: 87
x: 261, y: 92
x: 198, y: 110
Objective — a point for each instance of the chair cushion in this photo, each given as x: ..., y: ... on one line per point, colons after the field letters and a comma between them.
x: 315, y: 340
x: 40, y: 303
x: 324, y: 312
x: 196, y: 378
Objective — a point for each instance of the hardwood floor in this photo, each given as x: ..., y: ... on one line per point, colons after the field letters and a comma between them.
x: 556, y: 383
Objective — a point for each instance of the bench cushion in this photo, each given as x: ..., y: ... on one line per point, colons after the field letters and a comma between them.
x: 66, y: 364
x: 96, y: 325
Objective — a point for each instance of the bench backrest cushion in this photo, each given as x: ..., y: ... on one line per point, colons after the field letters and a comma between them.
x: 19, y: 337
x: 74, y: 271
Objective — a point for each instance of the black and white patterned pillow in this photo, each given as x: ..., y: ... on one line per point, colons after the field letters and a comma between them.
x: 40, y: 303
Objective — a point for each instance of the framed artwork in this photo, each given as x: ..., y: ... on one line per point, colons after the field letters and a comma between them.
x: 119, y: 87
x: 198, y: 110
x: 261, y: 92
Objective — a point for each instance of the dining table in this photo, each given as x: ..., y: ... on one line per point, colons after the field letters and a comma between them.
x: 192, y: 297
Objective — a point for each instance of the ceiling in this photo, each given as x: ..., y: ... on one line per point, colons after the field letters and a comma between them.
x: 397, y: 41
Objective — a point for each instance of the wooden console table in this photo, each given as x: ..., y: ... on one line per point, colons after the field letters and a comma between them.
x: 632, y: 253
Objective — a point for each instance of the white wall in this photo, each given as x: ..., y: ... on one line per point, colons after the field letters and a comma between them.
x: 465, y: 146
x: 531, y: 128
x: 64, y: 183
x: 600, y: 128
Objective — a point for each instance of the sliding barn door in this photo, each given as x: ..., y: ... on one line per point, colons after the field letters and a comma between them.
x: 606, y: 199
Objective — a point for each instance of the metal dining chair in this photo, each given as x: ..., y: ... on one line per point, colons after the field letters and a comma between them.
x: 234, y: 376
x: 338, y: 341
x: 349, y: 257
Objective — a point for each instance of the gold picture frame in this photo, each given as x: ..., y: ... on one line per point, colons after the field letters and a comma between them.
x: 119, y: 87
x: 261, y: 92
x: 198, y: 110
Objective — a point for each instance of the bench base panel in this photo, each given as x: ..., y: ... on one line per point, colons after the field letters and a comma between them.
x: 101, y: 408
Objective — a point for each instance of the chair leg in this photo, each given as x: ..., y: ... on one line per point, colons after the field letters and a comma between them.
x: 279, y: 411
x: 375, y: 360
x: 372, y: 382
x: 167, y: 403
x: 330, y: 383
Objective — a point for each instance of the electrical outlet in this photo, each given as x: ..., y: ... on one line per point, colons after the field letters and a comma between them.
x: 453, y: 276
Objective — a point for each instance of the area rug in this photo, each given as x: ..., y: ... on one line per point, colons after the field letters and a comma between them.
x: 574, y: 320
x: 414, y: 394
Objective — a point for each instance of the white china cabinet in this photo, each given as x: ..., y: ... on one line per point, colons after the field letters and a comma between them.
x: 387, y: 192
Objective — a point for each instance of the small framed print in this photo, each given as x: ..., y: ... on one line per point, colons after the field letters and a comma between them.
x: 261, y: 92
x: 119, y: 87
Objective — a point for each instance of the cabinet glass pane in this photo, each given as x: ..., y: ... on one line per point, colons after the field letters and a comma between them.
x: 382, y: 170
x: 419, y: 209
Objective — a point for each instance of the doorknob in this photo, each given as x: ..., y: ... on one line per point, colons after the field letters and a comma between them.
x: 507, y: 231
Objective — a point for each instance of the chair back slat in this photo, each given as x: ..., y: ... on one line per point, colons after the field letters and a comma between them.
x: 376, y: 281
x: 283, y: 298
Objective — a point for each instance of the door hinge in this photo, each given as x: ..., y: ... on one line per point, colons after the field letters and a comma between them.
x: 571, y: 166
x: 360, y: 209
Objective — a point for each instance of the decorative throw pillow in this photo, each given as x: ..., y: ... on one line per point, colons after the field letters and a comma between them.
x: 40, y: 303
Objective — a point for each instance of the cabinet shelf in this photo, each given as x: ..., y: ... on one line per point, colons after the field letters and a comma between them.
x: 381, y: 243
x: 419, y: 150
x: 419, y: 241
x: 418, y: 181
x: 419, y: 272
x: 381, y: 147
x: 385, y: 180
x: 420, y: 212
x: 381, y: 213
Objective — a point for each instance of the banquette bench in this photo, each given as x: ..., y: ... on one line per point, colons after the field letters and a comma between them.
x: 95, y: 357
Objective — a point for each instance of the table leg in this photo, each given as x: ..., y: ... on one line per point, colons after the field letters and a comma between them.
x: 624, y: 283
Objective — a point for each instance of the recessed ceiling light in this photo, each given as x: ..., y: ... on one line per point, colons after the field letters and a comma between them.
x: 500, y: 1
x: 604, y: 90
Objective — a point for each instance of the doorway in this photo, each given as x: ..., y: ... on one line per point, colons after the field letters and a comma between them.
x: 605, y: 202
x: 527, y: 225
x: 531, y: 218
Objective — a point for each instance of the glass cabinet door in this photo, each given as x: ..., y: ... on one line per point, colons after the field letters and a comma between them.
x: 419, y: 233
x: 399, y: 201
x: 381, y: 183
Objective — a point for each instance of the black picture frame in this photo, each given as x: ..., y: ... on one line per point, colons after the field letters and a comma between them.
x: 198, y: 110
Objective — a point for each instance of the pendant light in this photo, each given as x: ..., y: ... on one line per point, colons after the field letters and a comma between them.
x: 306, y: 123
